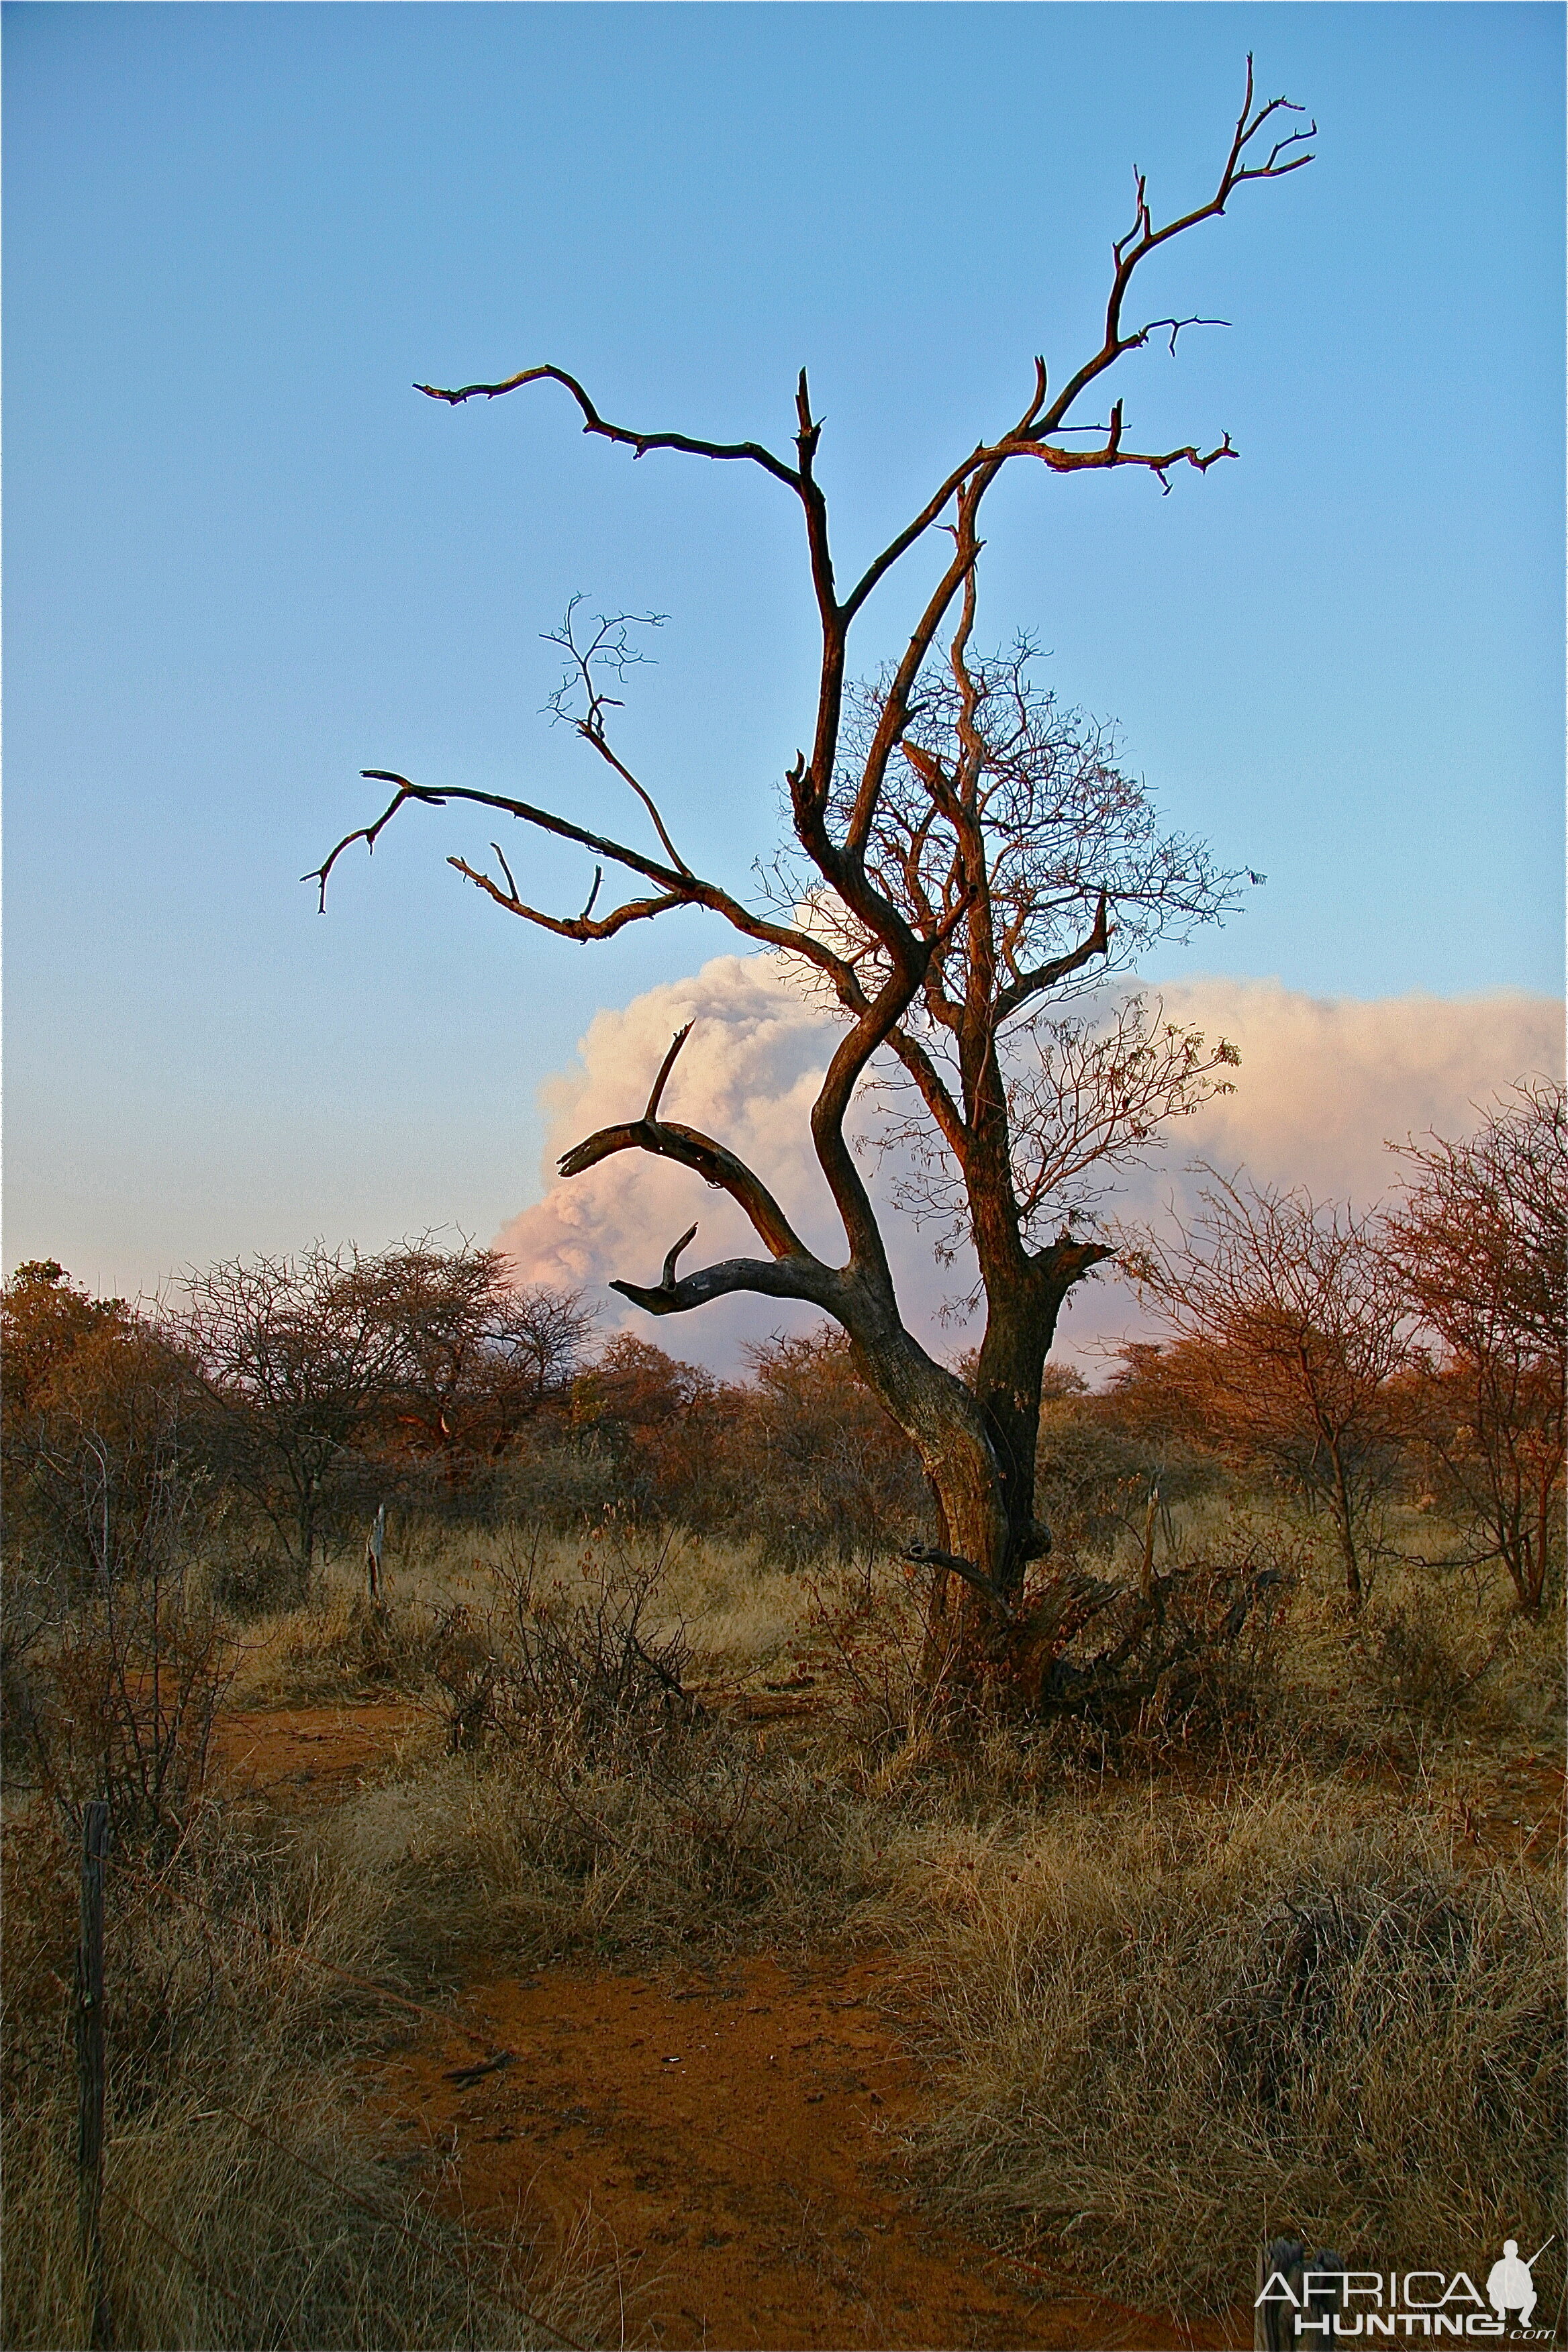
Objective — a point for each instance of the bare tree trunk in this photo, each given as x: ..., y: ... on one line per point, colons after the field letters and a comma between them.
x: 1344, y: 1523
x: 947, y: 1424
x: 90, y: 2058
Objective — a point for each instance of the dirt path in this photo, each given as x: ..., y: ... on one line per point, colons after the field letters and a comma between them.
x: 313, y: 1755
x: 738, y: 2141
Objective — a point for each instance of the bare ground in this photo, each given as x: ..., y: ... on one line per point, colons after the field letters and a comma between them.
x: 738, y: 2140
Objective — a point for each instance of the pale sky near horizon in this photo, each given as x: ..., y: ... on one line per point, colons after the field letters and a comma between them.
x: 246, y: 559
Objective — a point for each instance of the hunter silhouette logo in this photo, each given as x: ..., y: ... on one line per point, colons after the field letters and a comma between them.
x: 1509, y: 2284
x: 1312, y: 2300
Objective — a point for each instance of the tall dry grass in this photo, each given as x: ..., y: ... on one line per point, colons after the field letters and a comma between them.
x: 250, y: 2197
x: 1179, y: 1985
x: 1162, y: 2029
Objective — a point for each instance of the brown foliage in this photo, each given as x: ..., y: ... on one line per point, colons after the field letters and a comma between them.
x: 44, y: 1319
x: 1480, y: 1244
x: 800, y: 1458
x: 114, y: 1657
x: 1288, y: 1330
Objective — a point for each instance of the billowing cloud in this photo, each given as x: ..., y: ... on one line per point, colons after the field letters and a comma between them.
x: 1324, y: 1084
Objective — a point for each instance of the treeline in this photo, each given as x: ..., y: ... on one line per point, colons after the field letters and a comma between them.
x: 1416, y: 1355
x: 273, y: 1410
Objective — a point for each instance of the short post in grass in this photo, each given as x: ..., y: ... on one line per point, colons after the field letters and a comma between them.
x: 373, y: 1550
x: 90, y: 2054
x: 1292, y: 2283
x: 1146, y: 1564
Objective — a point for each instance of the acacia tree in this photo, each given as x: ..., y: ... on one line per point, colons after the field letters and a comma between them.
x: 957, y: 878
x: 310, y: 1364
x: 1288, y: 1335
x: 1481, y: 1244
x: 298, y: 1359
x: 474, y: 1357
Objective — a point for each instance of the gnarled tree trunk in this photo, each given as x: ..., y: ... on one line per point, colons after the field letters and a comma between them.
x: 966, y: 851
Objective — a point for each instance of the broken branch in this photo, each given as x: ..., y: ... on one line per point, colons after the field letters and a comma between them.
x: 665, y: 1068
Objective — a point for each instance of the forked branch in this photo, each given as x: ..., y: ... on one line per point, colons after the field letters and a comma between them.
x: 666, y: 1139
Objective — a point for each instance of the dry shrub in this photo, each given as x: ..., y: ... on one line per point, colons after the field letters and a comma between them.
x: 249, y: 2200
x: 712, y: 1842
x: 117, y: 1698
x: 870, y: 1628
x: 1186, y: 1656
x: 1161, y: 2036
x: 1416, y: 1665
x: 578, y: 1664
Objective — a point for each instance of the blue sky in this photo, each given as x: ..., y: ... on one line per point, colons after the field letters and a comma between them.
x: 246, y: 559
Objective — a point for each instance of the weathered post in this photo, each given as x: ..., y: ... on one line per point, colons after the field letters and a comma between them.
x: 373, y: 1550
x: 1274, y: 2322
x: 1146, y: 1564
x: 89, y: 2048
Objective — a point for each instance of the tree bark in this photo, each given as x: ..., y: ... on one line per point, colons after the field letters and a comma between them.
x: 1344, y: 1522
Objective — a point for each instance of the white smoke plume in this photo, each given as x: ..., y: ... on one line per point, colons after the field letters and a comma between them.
x: 1325, y: 1084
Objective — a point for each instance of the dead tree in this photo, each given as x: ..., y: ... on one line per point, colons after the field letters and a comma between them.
x: 933, y: 956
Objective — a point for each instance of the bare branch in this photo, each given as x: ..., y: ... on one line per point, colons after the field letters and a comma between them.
x: 371, y: 834
x: 506, y: 869
x: 665, y: 1068
x: 612, y: 760
x: 934, y: 1093
x: 575, y: 927
x: 608, y: 648
x: 930, y: 1556
x: 807, y: 1280
x: 692, y: 1149
x: 673, y: 1254
x: 639, y: 443
x: 678, y: 888
x: 1031, y: 983
x: 1143, y: 238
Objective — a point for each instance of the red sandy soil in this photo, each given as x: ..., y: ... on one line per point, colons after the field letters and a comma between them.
x: 313, y: 1755
x: 1518, y: 1808
x: 738, y: 2141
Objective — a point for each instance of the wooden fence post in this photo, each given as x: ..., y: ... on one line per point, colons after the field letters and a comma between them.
x: 373, y: 1554
x: 90, y: 2054
x: 1146, y: 1564
x: 1273, y: 2322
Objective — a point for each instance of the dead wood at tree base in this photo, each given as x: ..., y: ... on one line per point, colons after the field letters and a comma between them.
x: 1118, y: 1655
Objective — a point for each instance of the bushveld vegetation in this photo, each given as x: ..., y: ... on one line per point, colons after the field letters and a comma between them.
x: 1195, y: 1932
x: 1141, y: 1729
